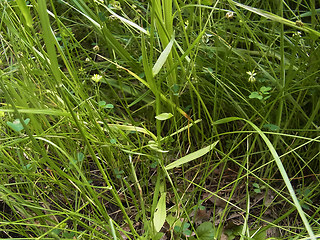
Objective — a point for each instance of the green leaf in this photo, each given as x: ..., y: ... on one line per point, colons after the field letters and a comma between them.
x: 30, y: 167
x: 126, y: 21
x: 271, y: 127
x: 80, y: 156
x: 155, y: 147
x: 164, y: 116
x: 191, y: 156
x: 207, y: 2
x: 154, y: 164
x: 175, y: 89
x: 226, y: 120
x: 160, y: 213
x: 265, y: 90
x: 48, y: 111
x: 255, y: 95
x: 102, y: 103
x: 171, y: 220
x: 16, y: 125
x: 68, y: 235
x: 25, y: 12
x: 158, y: 236
x: 206, y: 231
x: 109, y: 105
x: 162, y: 58
x: 256, y: 185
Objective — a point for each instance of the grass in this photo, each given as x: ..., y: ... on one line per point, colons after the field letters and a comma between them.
x: 159, y: 120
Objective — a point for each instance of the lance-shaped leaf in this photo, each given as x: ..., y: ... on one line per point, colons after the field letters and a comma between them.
x: 164, y: 116
x: 162, y: 58
x: 25, y: 12
x: 160, y: 213
x: 191, y: 156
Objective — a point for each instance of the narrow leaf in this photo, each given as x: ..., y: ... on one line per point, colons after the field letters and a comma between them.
x: 164, y: 116
x: 25, y: 12
x: 160, y: 213
x: 226, y: 120
x: 162, y: 58
x: 126, y: 21
x: 191, y: 156
x: 47, y: 111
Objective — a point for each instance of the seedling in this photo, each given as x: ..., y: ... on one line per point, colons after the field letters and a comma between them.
x: 262, y: 95
x: 183, y: 229
x: 118, y: 173
x: 105, y: 105
x: 30, y: 167
x: 16, y: 125
x: 256, y: 188
x: 74, y: 161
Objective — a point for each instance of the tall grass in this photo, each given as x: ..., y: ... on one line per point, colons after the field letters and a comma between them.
x: 159, y: 120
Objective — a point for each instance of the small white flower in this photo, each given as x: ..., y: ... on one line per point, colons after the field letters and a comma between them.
x: 251, y: 79
x: 296, y: 34
x: 96, y: 78
x: 229, y: 15
x: 96, y: 48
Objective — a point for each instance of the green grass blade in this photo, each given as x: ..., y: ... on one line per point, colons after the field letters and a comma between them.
x: 53, y: 112
x: 25, y: 12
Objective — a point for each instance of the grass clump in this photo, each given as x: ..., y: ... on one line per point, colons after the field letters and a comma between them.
x: 159, y: 120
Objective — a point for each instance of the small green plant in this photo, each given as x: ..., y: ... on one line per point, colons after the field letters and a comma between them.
x: 262, y: 95
x: 305, y: 194
x: 105, y: 105
x: 256, y: 188
x: 16, y: 125
x: 118, y: 173
x: 183, y: 229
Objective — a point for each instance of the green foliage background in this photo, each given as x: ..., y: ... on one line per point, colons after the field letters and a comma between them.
x: 121, y: 118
